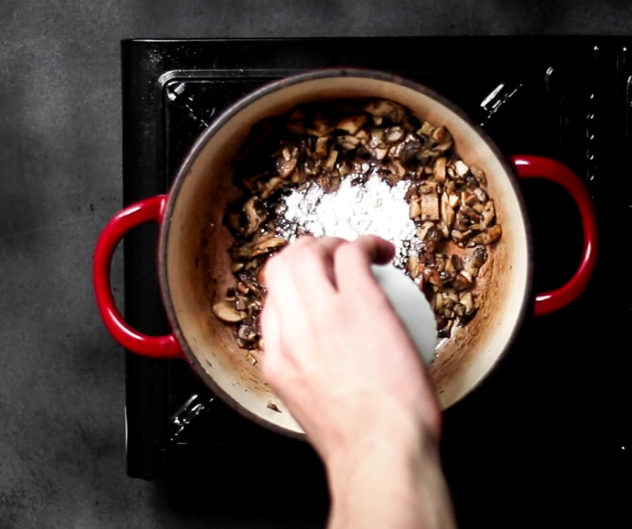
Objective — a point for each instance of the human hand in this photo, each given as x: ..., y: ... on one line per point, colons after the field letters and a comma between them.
x: 335, y: 351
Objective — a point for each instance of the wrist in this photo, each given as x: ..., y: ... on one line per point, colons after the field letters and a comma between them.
x: 378, y: 428
x: 389, y: 476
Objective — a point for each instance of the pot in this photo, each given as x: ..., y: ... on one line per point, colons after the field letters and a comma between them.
x: 194, y: 264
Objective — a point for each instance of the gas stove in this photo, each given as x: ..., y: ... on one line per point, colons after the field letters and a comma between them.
x: 553, y: 420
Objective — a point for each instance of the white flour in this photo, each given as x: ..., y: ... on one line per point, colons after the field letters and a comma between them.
x: 373, y: 207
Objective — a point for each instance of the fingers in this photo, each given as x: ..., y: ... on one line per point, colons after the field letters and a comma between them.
x: 353, y: 262
x: 377, y: 250
x: 272, y: 344
x: 308, y: 263
x: 316, y: 267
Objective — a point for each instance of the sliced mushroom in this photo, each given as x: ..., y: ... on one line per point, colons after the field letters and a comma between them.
x: 425, y: 129
x: 386, y: 109
x: 414, y: 209
x: 285, y: 167
x: 393, y: 135
x: 320, y: 127
x: 422, y: 231
x: 253, y: 217
x: 441, y: 135
x: 440, y: 148
x: 460, y: 168
x: 320, y: 149
x: 225, y: 310
x: 348, y: 142
x: 262, y: 244
x: 489, y: 236
x: 427, y: 187
x: 380, y: 153
x: 468, y: 198
x: 247, y: 332
x: 459, y: 310
x: 329, y: 182
x: 236, y: 266
x: 460, y: 237
x: 351, y: 124
x: 462, y: 281
x: 270, y: 187
x: 480, y: 256
x: 457, y: 262
x: 396, y: 167
x: 453, y: 199
x: 480, y: 194
x: 446, y: 329
x: 242, y: 287
x: 469, y: 214
x: 432, y: 238
x: 413, y: 265
x: 331, y: 159
x: 467, y: 300
x: 430, y: 206
x: 488, y: 214
x: 439, y: 169
x: 377, y: 138
x: 408, y: 150
x: 479, y: 175
x: 443, y: 227
x: 447, y: 212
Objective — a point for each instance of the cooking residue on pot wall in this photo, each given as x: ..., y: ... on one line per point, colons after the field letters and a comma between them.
x: 351, y: 168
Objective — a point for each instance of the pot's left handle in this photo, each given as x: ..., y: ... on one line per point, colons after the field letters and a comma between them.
x: 148, y: 210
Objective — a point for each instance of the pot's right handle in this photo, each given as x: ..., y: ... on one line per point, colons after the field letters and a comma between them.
x: 529, y: 166
x: 148, y: 210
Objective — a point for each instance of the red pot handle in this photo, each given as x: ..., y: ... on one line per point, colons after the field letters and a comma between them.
x: 549, y: 169
x: 148, y: 210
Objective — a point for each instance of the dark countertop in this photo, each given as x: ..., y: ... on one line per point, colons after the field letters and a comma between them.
x: 62, y: 379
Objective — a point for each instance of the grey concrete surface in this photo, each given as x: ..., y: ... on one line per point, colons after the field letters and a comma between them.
x: 61, y: 375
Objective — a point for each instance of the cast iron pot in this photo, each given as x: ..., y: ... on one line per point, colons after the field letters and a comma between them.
x: 194, y: 263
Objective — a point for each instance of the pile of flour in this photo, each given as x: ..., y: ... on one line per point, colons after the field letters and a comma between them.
x: 372, y: 207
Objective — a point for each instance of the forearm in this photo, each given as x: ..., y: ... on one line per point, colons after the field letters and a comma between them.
x: 391, y: 479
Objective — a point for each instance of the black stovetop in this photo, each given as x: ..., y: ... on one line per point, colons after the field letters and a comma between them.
x: 555, y: 416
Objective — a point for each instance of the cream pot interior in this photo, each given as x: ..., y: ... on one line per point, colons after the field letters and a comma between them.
x: 195, y: 265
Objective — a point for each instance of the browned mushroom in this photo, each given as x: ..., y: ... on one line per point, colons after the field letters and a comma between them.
x: 321, y: 146
x: 393, y: 135
x: 488, y: 214
x: 489, y: 236
x: 351, y: 124
x: 386, y: 109
x: 331, y: 159
x: 479, y: 175
x: 347, y: 142
x: 460, y: 168
x: 447, y: 212
x: 414, y: 208
x: 320, y: 127
x: 441, y: 135
x: 430, y: 206
x: 439, y: 169
x: 320, y: 149
x: 462, y: 281
x: 225, y: 310
x: 285, y: 167
x: 253, y: 217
